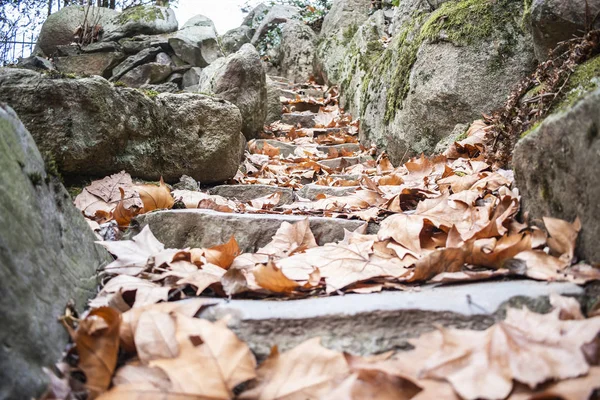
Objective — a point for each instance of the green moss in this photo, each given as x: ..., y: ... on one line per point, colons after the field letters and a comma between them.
x: 349, y: 32
x: 585, y: 78
x: 150, y: 93
x: 533, y: 128
x: 526, y: 14
x: 120, y: 84
x: 139, y: 13
x: 461, y: 22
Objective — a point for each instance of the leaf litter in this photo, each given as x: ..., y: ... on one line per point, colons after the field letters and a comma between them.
x: 443, y: 219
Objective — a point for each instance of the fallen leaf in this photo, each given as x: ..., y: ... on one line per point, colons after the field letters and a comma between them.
x: 271, y: 278
x: 97, y: 341
x: 224, y: 254
x: 155, y: 197
x: 563, y: 236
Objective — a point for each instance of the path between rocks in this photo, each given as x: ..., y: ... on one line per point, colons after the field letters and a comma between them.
x: 310, y: 165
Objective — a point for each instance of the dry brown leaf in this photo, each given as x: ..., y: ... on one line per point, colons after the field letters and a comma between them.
x: 223, y: 254
x: 404, y: 229
x: 440, y: 261
x: 97, y: 341
x: 154, y: 336
x: 131, y: 318
x: 563, y: 236
x: 568, y: 306
x: 271, y: 278
x: 570, y: 389
x: 124, y: 212
x: 135, y: 373
x: 308, y: 371
x: 290, y: 239
x: 212, y: 360
x: 155, y: 197
x: 145, y: 391
x: 527, y: 347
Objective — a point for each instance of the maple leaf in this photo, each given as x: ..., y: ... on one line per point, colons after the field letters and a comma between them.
x: 563, y: 236
x: 97, y: 341
x: 308, y: 371
x: 290, y: 239
x: 155, y: 197
x: 211, y: 351
x: 132, y: 255
x: 146, y: 292
x: 527, y: 347
x: 271, y: 278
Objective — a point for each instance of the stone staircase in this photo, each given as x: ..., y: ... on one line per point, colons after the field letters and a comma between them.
x: 358, y: 323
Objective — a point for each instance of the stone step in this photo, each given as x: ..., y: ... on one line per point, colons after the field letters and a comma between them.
x: 204, y: 228
x: 245, y: 193
x: 286, y: 149
x: 311, y: 191
x: 344, y: 162
x: 314, y: 93
x: 369, y: 324
x: 302, y: 119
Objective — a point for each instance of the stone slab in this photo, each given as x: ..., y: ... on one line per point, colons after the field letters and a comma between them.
x: 311, y: 191
x: 245, y: 193
x: 373, y: 323
x: 205, y: 228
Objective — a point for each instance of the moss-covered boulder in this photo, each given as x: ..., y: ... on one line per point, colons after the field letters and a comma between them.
x: 58, y: 29
x: 47, y: 258
x: 91, y: 127
x: 556, y: 169
x: 297, y: 52
x: 143, y: 19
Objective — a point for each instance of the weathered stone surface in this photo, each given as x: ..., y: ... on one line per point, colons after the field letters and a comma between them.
x: 276, y: 15
x: 67, y: 50
x: 35, y: 63
x: 240, y: 79
x: 133, y: 61
x: 234, y: 39
x: 47, y: 256
x: 344, y: 162
x: 167, y: 135
x: 141, y: 42
x: 245, y: 193
x: 197, y: 45
x: 457, y: 133
x: 274, y: 107
x: 554, y: 21
x: 59, y: 26
x: 166, y: 87
x: 303, y: 119
x: 311, y: 191
x: 146, y: 19
x: 556, y: 168
x: 191, y: 77
x: 454, y: 78
x: 297, y: 52
x: 205, y: 228
x: 150, y: 73
x: 100, y: 64
x: 256, y: 15
x: 368, y: 324
x: 164, y: 58
x: 101, y: 47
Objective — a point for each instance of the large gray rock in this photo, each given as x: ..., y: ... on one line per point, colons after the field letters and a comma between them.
x: 234, y: 39
x: 556, y: 168
x: 139, y: 43
x: 297, y: 52
x: 196, y: 43
x: 59, y: 27
x: 246, y: 193
x: 150, y: 73
x: 554, y: 21
x: 274, y: 106
x: 100, y: 64
x: 199, y: 20
x: 144, y: 56
x: 205, y: 228
x: 47, y: 257
x: 278, y: 14
x: 240, y: 79
x: 255, y: 16
x: 433, y: 76
x: 91, y: 127
x: 143, y: 19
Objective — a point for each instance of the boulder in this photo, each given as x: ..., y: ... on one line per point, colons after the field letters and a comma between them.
x: 199, y: 20
x: 166, y: 87
x: 554, y: 21
x: 144, y: 56
x: 139, y: 43
x: 197, y: 45
x: 100, y: 64
x: 274, y: 107
x: 246, y: 193
x: 255, y: 16
x: 47, y: 258
x: 234, y: 39
x: 278, y: 14
x: 240, y: 79
x: 191, y: 78
x: 297, y: 52
x: 144, y: 74
x: 60, y: 26
x: 92, y: 128
x: 435, y: 75
x: 556, y: 169
x: 97, y: 47
x: 143, y: 19
x: 35, y: 63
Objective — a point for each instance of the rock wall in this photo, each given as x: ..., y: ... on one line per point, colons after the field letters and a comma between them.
x: 441, y: 65
x: 47, y: 257
x: 90, y: 127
